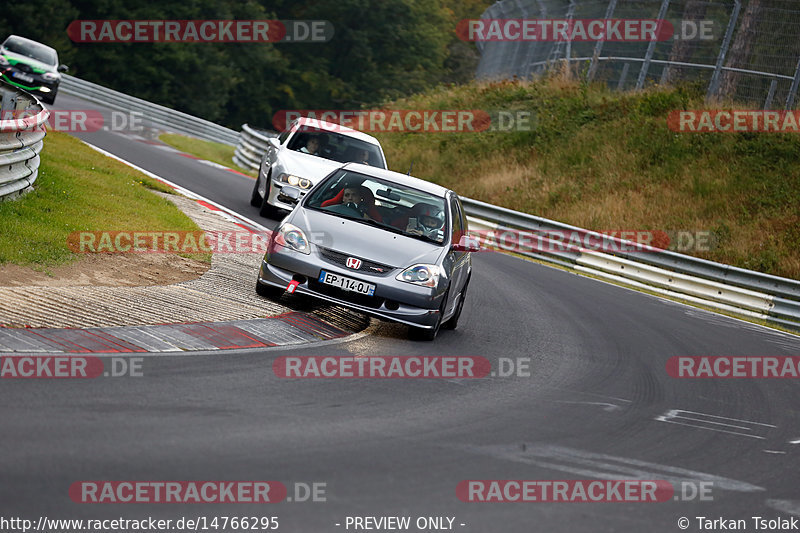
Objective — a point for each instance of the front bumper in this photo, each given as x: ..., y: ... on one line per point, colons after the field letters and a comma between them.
x: 275, y: 191
x: 38, y: 85
x: 394, y: 300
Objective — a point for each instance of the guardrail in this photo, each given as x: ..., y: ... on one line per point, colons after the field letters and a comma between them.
x: 722, y: 287
x: 153, y: 115
x: 252, y: 145
x: 21, y: 140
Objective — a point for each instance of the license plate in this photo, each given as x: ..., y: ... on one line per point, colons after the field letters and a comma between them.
x: 348, y: 284
x: 23, y: 77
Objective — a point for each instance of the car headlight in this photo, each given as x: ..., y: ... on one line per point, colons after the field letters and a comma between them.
x: 293, y: 237
x: 295, y: 181
x: 51, y: 76
x: 421, y: 274
x: 3, y: 61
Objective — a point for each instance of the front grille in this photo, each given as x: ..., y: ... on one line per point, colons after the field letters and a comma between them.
x: 22, y: 67
x: 347, y: 296
x: 367, y: 266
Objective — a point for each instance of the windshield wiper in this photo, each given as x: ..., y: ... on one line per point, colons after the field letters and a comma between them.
x: 422, y: 238
x: 382, y: 225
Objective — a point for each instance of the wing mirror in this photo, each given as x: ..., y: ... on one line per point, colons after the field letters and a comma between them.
x: 62, y: 68
x: 467, y: 243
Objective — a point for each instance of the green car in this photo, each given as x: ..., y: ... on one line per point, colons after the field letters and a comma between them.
x: 31, y: 66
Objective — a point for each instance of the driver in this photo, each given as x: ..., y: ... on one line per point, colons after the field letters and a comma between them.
x: 353, y: 195
x: 361, y: 199
x: 311, y: 147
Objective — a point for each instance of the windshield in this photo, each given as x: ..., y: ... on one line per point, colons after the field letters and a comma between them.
x: 381, y: 203
x: 39, y: 52
x: 336, y: 147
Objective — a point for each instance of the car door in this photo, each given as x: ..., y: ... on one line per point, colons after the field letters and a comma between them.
x: 459, y: 260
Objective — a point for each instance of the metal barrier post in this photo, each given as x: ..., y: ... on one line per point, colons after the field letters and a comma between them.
x: 651, y: 48
x: 598, y: 47
x: 625, y: 68
x: 793, y: 89
x: 771, y: 94
x: 713, y: 87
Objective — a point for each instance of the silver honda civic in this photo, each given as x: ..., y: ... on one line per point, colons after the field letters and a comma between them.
x: 376, y: 241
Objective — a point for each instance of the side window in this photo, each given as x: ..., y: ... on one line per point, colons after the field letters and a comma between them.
x: 283, y: 137
x: 462, y: 215
x: 458, y: 227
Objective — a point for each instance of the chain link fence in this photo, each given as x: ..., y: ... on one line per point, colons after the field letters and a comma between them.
x: 745, y: 51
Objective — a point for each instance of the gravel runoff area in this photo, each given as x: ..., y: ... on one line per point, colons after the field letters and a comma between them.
x: 225, y: 292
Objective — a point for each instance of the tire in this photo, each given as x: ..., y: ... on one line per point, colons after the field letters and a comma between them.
x: 255, y: 197
x: 49, y: 98
x: 267, y: 210
x: 453, y: 322
x: 268, y: 291
x: 429, y: 334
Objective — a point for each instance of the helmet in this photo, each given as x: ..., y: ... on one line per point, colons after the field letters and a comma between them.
x: 430, y: 218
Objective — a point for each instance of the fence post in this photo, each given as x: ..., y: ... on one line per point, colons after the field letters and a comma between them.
x: 532, y: 47
x: 598, y: 47
x: 570, y: 14
x: 489, y: 50
x: 621, y: 82
x: 664, y: 74
x: 555, y: 53
x: 771, y: 94
x: 516, y: 44
x: 651, y: 48
x: 793, y: 89
x: 713, y: 87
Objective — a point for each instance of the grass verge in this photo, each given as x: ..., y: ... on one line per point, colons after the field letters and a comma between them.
x: 79, y: 189
x: 210, y: 151
x: 606, y: 160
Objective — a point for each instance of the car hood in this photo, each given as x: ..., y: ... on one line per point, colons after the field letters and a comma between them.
x: 307, y: 166
x: 37, y: 66
x: 364, y: 241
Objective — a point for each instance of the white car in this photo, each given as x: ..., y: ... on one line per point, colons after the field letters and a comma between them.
x: 292, y: 159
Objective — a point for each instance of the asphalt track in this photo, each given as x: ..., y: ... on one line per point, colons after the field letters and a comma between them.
x: 598, y: 405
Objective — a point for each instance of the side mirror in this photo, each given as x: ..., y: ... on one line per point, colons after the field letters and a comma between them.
x: 273, y: 141
x: 62, y: 68
x: 289, y: 195
x: 467, y: 243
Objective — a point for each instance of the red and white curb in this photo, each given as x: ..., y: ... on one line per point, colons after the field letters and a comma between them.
x: 282, y: 330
